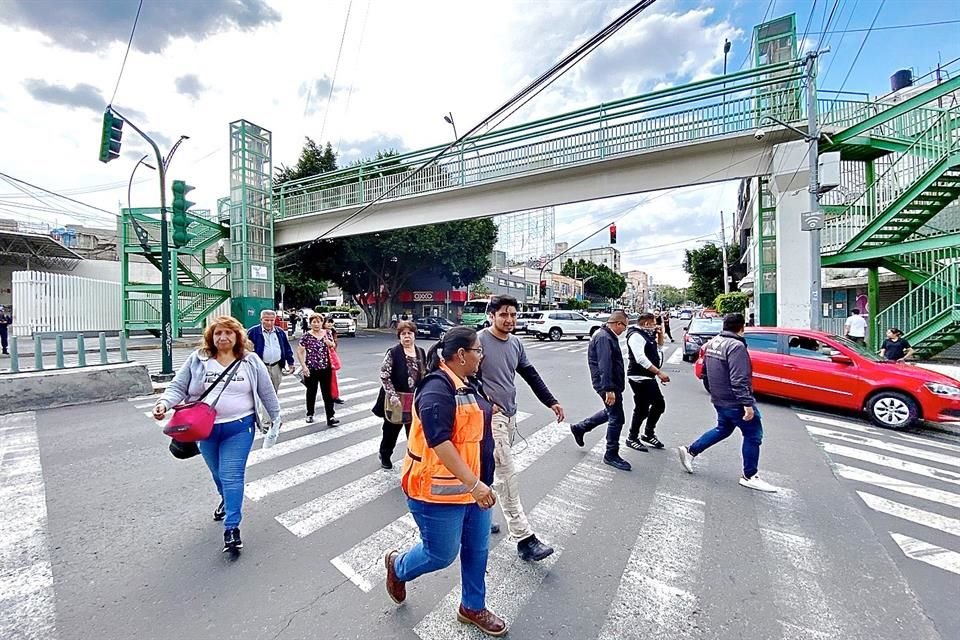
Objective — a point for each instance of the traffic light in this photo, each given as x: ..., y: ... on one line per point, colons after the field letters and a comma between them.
x: 110, y: 138
x: 543, y: 288
x: 180, y: 219
x: 613, y: 234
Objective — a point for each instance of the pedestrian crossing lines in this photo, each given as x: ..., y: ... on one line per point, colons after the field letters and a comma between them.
x: 905, y: 477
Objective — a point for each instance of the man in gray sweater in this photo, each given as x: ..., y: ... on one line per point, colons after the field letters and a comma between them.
x: 726, y: 375
x: 503, y: 358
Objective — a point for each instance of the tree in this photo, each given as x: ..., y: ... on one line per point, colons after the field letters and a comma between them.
x: 705, y: 266
x: 604, y: 282
x: 313, y: 161
x: 373, y: 268
x: 300, y: 290
x: 671, y: 296
x: 735, y: 302
x: 575, y: 305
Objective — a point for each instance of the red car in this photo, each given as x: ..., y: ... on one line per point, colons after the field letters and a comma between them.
x: 812, y: 366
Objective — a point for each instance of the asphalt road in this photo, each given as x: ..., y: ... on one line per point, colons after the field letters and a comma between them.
x: 104, y: 535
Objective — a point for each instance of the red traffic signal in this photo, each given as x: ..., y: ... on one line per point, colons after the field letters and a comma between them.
x: 613, y: 234
x: 543, y: 286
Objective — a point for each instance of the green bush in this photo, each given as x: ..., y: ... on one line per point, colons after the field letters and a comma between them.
x: 731, y: 303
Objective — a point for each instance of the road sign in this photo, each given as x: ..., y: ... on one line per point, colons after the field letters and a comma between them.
x: 811, y: 220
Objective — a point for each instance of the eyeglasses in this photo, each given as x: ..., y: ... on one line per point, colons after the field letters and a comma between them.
x: 477, y: 349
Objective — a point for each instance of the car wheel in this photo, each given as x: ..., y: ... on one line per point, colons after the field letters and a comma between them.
x: 892, y: 410
x: 556, y: 334
x: 593, y: 331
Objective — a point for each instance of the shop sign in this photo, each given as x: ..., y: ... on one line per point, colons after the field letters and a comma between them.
x: 423, y: 296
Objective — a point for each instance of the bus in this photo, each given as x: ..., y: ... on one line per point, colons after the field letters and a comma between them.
x: 475, y: 313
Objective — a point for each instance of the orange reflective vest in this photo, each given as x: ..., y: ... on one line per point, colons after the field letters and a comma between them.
x: 424, y: 476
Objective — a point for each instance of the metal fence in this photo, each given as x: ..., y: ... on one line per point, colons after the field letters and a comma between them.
x: 52, y: 302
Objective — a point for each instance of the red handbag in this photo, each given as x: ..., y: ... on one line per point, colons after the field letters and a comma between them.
x: 193, y: 421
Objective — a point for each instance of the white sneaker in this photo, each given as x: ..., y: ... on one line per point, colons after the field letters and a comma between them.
x: 756, y: 483
x: 686, y: 459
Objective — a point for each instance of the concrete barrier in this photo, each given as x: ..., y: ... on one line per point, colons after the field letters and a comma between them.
x: 32, y: 390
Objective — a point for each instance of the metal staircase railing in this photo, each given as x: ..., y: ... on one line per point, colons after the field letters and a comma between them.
x: 927, y: 304
x: 934, y: 140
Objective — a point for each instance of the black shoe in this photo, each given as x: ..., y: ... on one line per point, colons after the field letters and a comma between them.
x: 577, y: 435
x: 332, y: 422
x: 339, y: 401
x: 635, y: 445
x: 653, y: 441
x: 494, y: 528
x: 231, y: 540
x: 385, y: 463
x: 617, y: 463
x: 220, y: 513
x: 309, y: 419
x: 532, y: 549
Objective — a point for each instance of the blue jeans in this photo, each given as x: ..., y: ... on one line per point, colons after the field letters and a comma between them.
x: 728, y: 419
x: 614, y: 417
x: 445, y: 531
x: 226, y: 452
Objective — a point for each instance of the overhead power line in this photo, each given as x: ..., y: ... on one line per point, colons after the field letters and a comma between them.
x: 58, y: 195
x: 893, y: 27
x: 127, y: 52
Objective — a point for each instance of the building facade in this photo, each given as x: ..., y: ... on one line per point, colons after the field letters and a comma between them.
x: 606, y: 256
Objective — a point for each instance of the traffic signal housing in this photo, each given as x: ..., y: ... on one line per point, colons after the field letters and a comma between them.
x: 110, y: 137
x: 180, y: 218
x: 543, y: 288
x: 613, y: 234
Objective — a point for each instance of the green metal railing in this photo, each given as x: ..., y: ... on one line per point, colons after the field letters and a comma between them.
x: 928, y: 303
x: 59, y: 353
x: 932, y: 137
x: 918, y: 266
x: 710, y: 109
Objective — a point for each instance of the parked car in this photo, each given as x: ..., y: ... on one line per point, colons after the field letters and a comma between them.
x: 695, y: 335
x: 344, y: 323
x: 556, y: 324
x: 432, y: 327
x: 522, y: 318
x: 814, y: 367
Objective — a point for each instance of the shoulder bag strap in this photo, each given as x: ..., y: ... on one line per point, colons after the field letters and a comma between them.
x: 228, y: 370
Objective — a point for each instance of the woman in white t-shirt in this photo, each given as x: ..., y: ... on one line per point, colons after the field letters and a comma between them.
x: 226, y: 450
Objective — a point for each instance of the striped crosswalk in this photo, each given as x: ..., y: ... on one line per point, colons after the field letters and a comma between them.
x: 909, y: 479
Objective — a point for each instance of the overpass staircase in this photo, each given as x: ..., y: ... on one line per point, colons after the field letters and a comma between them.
x: 905, y: 217
x: 199, y: 284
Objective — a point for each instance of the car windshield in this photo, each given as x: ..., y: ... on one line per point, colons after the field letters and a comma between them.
x: 702, y: 325
x: 861, y: 349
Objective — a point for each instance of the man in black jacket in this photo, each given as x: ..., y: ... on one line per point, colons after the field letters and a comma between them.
x: 644, y: 343
x: 608, y: 379
x: 727, y: 376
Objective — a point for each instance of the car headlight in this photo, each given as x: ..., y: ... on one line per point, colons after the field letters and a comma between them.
x: 942, y: 389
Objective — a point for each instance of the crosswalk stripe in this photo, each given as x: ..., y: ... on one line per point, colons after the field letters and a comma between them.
x: 26, y: 572
x: 657, y: 597
x: 511, y: 581
x: 299, y: 388
x: 893, y: 463
x: 295, y: 425
x: 676, y: 356
x: 895, y: 484
x: 892, y: 447
x: 852, y: 426
x: 928, y: 553
x: 361, y: 563
x: 913, y: 514
x: 297, y: 444
x: 298, y: 474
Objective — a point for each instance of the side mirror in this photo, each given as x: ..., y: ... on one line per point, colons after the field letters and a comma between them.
x: 839, y: 358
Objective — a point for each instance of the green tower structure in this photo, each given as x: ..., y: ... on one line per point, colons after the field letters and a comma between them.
x: 251, y: 221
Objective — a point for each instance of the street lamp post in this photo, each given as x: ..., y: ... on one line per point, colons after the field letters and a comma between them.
x: 449, y: 119
x: 132, y: 173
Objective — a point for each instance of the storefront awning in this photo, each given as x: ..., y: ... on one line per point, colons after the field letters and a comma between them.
x: 33, y: 250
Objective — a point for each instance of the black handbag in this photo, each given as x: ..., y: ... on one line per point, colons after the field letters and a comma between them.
x: 183, y: 450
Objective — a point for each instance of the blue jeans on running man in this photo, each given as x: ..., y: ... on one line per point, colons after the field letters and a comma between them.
x: 614, y: 417
x: 445, y: 531
x: 226, y: 452
x: 728, y: 419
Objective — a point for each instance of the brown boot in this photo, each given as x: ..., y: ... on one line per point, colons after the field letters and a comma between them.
x: 396, y: 588
x: 484, y: 619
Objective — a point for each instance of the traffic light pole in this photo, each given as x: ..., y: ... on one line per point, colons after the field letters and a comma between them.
x: 565, y: 251
x: 166, y: 316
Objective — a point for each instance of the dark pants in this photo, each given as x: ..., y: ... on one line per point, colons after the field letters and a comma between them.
x: 324, y: 379
x: 613, y: 416
x: 389, y: 441
x: 648, y: 404
x: 729, y: 419
x: 858, y: 340
x: 3, y: 338
x: 666, y: 330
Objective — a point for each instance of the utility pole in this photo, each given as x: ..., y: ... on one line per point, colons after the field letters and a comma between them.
x: 723, y: 251
x: 813, y: 139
